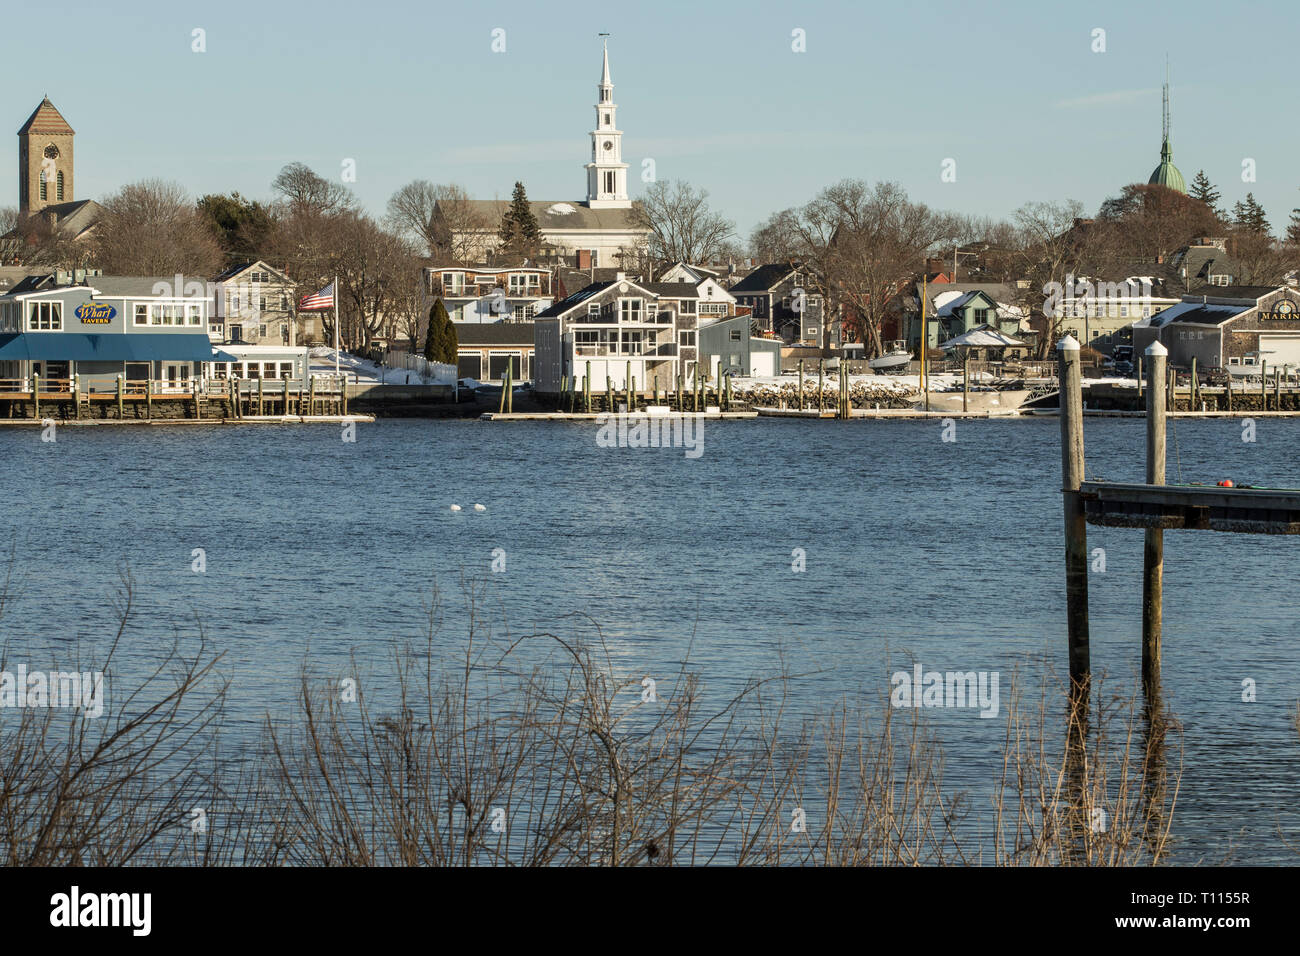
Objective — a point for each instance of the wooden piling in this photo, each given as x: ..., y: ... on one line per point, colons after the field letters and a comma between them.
x: 261, y: 396
x: 148, y: 399
x: 801, y: 385
x: 586, y: 388
x: 36, y: 397
x: 121, y: 407
x: 965, y: 381
x: 1228, y: 392
x: 609, y: 393
x: 1263, y: 384
x: 1139, y: 377
x: 1076, y: 528
x: 1153, y: 552
x: 821, y: 374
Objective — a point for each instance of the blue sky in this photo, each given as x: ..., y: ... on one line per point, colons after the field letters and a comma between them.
x: 711, y: 91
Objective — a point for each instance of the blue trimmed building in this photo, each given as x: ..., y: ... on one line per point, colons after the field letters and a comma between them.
x: 142, y: 328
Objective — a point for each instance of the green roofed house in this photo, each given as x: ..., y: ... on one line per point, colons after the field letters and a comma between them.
x: 1167, y: 174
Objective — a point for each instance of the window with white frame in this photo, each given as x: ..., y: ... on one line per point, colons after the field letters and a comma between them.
x: 687, y: 337
x: 194, y: 314
x: 44, y: 316
x: 453, y: 283
x: 630, y: 310
x: 141, y: 314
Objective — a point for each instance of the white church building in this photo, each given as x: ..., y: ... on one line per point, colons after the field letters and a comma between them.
x: 586, y: 233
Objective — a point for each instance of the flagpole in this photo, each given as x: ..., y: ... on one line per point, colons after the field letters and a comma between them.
x: 336, y: 326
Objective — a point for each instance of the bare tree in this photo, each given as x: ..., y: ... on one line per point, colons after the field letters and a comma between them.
x: 682, y: 226
x: 152, y: 228
x: 1054, y: 242
x: 778, y: 238
x: 457, y: 225
x: 867, y: 243
x: 302, y: 190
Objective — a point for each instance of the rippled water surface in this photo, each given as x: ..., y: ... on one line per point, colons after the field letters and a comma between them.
x: 947, y: 553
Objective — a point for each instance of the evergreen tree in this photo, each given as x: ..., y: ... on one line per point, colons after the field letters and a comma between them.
x: 440, y: 344
x: 1293, y: 230
x: 519, y: 233
x: 1249, y: 215
x: 1204, y: 190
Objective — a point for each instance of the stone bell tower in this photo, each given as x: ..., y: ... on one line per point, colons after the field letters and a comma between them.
x: 44, y: 160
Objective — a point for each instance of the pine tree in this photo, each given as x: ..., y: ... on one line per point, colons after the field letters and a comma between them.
x: 519, y: 233
x: 1203, y: 190
x: 440, y: 344
x: 1249, y: 215
x: 437, y: 314
x: 1293, y: 230
x: 450, y: 342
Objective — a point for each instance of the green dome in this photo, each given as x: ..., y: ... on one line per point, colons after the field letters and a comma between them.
x: 1167, y: 174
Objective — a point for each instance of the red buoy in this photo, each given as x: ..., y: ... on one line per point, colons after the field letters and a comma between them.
x: 1226, y: 483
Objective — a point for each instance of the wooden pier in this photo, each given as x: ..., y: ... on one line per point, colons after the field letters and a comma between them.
x: 1155, y: 507
x: 108, y: 398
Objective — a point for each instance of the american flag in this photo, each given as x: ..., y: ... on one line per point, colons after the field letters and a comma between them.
x: 324, y: 299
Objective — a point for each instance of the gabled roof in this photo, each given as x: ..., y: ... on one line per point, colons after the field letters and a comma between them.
x: 672, y: 290
x: 564, y: 306
x: 71, y: 219
x: 258, y: 264
x: 764, y: 278
x: 45, y: 119
x: 1199, y: 313
x: 553, y: 216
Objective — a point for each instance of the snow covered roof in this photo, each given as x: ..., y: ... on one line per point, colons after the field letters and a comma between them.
x: 981, y: 337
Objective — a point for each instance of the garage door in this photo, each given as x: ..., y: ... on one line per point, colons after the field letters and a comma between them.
x: 762, y: 363
x: 1280, y: 349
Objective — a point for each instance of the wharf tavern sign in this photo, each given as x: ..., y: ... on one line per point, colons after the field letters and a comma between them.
x: 95, y: 313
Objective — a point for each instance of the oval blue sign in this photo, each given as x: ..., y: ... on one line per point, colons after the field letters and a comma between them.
x: 95, y: 313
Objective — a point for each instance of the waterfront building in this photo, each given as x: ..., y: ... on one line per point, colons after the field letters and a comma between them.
x: 588, y: 233
x: 646, y: 329
x: 1237, y: 329
x: 489, y: 293
x: 729, y: 345
x: 245, y: 361
x: 485, y: 350
x: 103, y: 327
x: 254, y: 304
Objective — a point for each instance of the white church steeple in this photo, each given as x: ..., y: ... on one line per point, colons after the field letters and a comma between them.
x: 606, y: 173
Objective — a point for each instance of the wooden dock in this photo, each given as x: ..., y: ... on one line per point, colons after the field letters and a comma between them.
x: 1154, y: 506
x: 1191, y: 507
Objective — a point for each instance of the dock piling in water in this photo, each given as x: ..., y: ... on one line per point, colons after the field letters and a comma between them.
x: 1076, y: 528
x: 1153, y: 552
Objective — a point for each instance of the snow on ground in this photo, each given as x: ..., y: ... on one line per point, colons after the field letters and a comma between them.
x: 363, y: 370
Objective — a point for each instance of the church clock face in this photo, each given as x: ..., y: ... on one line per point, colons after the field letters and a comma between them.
x: 609, y: 144
x: 51, y: 151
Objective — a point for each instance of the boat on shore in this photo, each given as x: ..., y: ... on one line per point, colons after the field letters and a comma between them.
x: 892, y: 362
